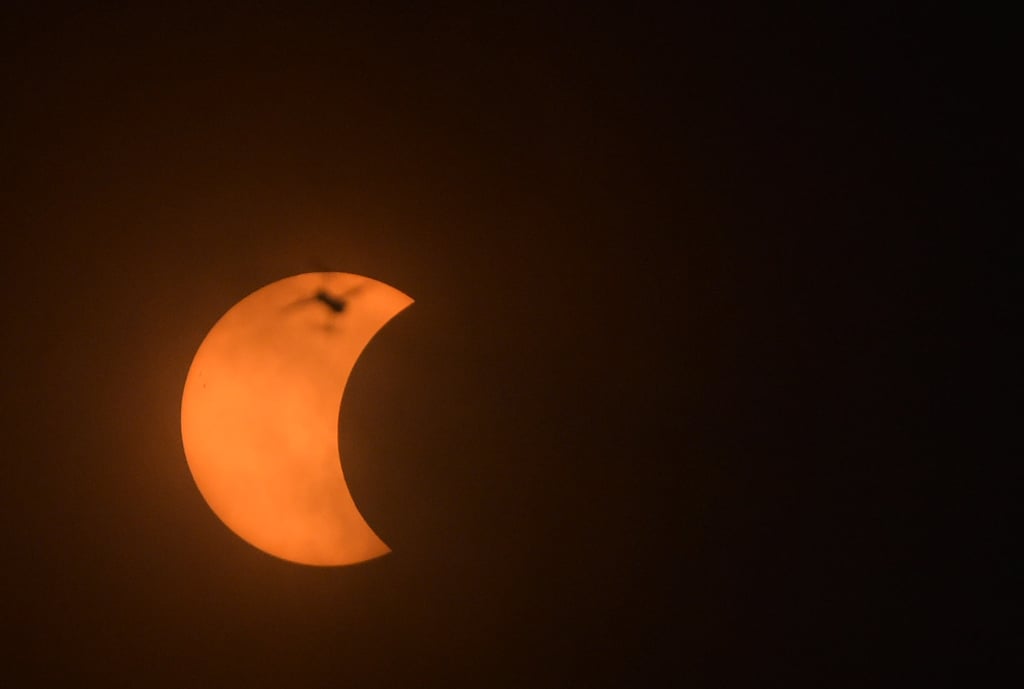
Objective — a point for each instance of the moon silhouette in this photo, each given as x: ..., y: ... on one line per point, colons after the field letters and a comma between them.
x: 260, y: 409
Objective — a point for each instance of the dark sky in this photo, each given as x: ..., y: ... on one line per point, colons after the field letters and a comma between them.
x: 689, y: 390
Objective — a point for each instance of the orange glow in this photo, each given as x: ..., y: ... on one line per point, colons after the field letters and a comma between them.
x: 259, y: 415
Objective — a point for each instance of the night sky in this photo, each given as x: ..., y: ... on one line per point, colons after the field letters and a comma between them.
x: 700, y: 381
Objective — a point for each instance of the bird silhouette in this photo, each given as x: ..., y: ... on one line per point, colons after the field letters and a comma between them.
x: 336, y: 303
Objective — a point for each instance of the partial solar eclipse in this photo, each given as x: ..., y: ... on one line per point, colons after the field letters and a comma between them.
x: 260, y: 410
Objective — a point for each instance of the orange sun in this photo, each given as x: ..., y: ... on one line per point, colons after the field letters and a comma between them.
x: 259, y: 415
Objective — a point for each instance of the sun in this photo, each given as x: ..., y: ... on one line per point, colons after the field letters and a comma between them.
x: 260, y: 409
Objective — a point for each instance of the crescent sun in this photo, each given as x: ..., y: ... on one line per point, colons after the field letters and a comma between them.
x: 260, y: 409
